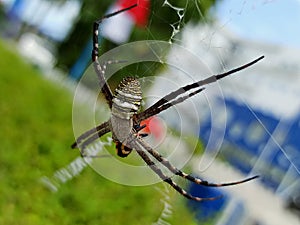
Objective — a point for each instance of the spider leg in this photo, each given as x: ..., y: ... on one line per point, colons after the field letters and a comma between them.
x: 105, y: 89
x: 138, y: 127
x: 188, y: 87
x: 153, y: 111
x: 100, y: 69
x: 86, y: 138
x: 166, y: 179
x: 178, y: 172
x: 88, y: 141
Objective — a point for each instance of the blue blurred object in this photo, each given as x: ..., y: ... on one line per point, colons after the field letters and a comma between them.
x: 260, y: 142
x: 255, y: 142
x: 82, y: 62
x: 207, y: 209
x: 15, y: 10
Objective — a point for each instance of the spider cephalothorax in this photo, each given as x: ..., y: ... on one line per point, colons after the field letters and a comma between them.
x: 125, y: 120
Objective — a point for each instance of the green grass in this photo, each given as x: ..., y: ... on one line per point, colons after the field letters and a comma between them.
x: 35, y: 134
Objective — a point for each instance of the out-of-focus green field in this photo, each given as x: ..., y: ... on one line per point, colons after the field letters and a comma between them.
x: 35, y: 134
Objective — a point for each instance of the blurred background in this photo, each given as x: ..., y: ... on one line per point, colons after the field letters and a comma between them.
x: 244, y: 125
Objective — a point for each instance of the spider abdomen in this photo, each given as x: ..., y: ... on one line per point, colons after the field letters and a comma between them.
x: 126, y: 102
x: 127, y: 99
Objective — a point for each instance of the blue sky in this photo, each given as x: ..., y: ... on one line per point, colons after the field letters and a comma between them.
x: 275, y: 21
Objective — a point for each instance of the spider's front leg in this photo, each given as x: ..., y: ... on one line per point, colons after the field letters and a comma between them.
x: 91, y: 135
x: 100, y: 68
x: 172, y: 99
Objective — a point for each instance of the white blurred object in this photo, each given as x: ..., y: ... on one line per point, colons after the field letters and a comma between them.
x: 34, y: 48
x: 118, y: 28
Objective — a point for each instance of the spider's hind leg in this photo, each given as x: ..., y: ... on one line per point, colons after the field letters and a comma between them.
x: 180, y: 173
x: 168, y: 180
x: 89, y: 137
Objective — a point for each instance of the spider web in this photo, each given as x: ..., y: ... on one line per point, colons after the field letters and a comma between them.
x: 219, y: 47
x: 280, y: 107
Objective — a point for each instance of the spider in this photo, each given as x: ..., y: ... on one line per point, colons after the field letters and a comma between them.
x: 125, y: 120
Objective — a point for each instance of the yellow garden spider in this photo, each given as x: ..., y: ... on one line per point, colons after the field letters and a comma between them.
x: 125, y: 120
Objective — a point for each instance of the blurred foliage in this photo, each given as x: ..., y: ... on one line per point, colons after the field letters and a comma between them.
x: 35, y: 134
x: 162, y: 18
x: 2, y: 15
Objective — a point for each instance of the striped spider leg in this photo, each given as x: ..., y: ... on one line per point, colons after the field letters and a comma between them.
x: 142, y: 148
x: 124, y: 123
x: 165, y: 103
x: 100, y: 68
x: 94, y: 133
